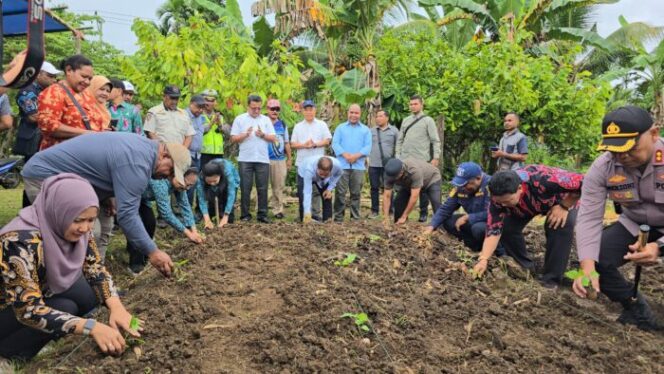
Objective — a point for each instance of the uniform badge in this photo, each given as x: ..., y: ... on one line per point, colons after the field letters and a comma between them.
x: 613, y: 129
x: 617, y: 178
x: 453, y: 192
x: 659, y: 156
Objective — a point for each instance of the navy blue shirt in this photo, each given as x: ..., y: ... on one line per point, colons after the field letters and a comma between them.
x: 119, y: 163
x: 475, y: 205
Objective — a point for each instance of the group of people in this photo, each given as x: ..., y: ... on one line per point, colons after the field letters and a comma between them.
x: 93, y: 160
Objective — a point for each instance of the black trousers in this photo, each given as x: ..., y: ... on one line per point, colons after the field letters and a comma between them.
x: 613, y: 247
x: 430, y: 194
x: 259, y: 173
x: 20, y: 342
x: 327, y: 203
x: 149, y: 222
x: 222, y: 196
x: 376, y: 182
x: 205, y: 158
x: 558, y: 245
x: 471, y: 235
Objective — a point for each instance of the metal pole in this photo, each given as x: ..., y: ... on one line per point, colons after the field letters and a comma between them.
x: 644, y: 231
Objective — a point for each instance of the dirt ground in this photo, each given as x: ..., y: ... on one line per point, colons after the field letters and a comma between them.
x: 269, y: 299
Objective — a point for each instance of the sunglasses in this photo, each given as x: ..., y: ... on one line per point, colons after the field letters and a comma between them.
x: 275, y: 109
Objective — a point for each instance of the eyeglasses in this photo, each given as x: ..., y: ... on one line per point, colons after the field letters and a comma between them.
x: 275, y: 109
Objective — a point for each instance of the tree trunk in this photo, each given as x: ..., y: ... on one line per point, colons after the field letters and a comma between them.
x: 373, y: 81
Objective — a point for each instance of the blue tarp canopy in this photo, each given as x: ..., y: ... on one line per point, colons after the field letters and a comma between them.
x: 15, y: 19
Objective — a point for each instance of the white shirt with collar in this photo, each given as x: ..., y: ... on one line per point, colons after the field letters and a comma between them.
x: 253, y: 148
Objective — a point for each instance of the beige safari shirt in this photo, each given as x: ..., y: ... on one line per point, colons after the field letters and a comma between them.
x: 171, y: 126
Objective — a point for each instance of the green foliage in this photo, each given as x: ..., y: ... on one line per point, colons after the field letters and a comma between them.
x: 349, y: 88
x: 202, y: 55
x: 349, y: 259
x: 134, y: 324
x: 578, y: 273
x: 361, y: 320
x: 474, y: 87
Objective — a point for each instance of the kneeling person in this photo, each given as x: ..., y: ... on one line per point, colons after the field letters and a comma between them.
x: 413, y: 177
x: 470, y: 192
x: 323, y: 172
x: 516, y: 198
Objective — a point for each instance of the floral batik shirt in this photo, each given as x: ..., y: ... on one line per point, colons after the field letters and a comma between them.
x: 128, y: 116
x: 542, y: 187
x: 23, y: 288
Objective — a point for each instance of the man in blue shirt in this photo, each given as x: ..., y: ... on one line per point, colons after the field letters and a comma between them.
x: 280, y: 158
x: 471, y: 193
x: 195, y: 109
x: 117, y: 165
x: 351, y: 144
x: 323, y: 172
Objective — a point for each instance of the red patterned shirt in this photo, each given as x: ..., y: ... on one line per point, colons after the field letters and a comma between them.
x: 543, y: 187
x: 56, y: 108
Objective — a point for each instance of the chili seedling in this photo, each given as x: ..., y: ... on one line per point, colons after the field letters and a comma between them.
x: 349, y: 259
x: 361, y: 320
x: 180, y: 275
x: 575, y: 274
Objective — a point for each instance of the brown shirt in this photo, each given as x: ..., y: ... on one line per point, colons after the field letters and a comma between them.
x: 417, y: 174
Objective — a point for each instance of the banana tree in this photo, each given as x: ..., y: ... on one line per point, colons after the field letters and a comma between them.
x: 174, y: 13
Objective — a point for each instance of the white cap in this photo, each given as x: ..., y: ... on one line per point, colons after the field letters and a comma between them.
x: 50, y: 69
x: 129, y: 87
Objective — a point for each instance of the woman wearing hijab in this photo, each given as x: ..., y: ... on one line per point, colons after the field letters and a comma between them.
x: 52, y: 274
x: 100, y: 88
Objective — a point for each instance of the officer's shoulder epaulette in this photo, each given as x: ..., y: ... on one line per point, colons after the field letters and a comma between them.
x: 453, y: 192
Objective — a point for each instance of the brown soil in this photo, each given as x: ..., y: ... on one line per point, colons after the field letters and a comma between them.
x: 269, y: 298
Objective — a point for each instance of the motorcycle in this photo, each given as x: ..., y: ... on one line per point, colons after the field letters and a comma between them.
x: 10, y: 172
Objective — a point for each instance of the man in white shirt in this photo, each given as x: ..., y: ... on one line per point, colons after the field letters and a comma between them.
x: 310, y: 138
x: 253, y: 131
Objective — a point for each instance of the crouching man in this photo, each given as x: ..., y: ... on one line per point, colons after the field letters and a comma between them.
x: 471, y: 191
x: 519, y: 196
x: 631, y: 173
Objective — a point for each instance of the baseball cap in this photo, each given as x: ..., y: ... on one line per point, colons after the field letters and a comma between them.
x: 621, y: 127
x: 392, y: 169
x: 465, y: 172
x: 128, y: 87
x: 172, y: 91
x: 210, y: 94
x: 181, y: 160
x: 308, y: 103
x: 49, y: 68
x: 198, y: 100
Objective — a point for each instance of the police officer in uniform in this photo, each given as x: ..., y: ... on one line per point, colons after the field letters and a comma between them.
x: 470, y: 192
x: 631, y: 173
x: 168, y: 123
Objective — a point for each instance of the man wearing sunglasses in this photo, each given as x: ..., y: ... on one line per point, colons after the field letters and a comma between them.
x: 280, y: 158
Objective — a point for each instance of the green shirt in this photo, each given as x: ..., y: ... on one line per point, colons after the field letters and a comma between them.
x: 128, y: 117
x: 418, y: 140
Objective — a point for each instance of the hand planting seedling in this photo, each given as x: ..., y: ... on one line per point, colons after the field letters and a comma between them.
x: 360, y: 319
x: 179, y: 274
x: 585, y: 281
x: 349, y: 259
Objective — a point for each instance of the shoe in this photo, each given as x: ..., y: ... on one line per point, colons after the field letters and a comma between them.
x: 513, y: 268
x: 246, y: 218
x: 373, y: 215
x: 549, y: 284
x: 279, y: 216
x: 263, y: 220
x: 135, y: 269
x: 637, y: 312
x: 162, y: 224
x: 423, y: 218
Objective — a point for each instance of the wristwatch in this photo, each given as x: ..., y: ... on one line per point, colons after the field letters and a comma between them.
x: 89, y: 325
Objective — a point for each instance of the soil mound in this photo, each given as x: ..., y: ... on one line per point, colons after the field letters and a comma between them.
x: 270, y: 299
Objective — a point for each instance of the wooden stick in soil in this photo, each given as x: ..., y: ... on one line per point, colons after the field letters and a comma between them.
x: 644, y: 231
x: 216, y: 209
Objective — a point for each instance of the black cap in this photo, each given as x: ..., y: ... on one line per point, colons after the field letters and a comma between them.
x: 198, y: 100
x: 116, y: 83
x: 621, y: 127
x: 172, y: 91
x: 392, y: 169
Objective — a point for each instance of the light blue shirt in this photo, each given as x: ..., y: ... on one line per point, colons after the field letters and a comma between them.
x: 309, y: 172
x: 349, y: 138
x: 197, y: 140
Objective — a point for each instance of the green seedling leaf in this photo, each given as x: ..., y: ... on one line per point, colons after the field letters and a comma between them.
x: 573, y: 274
x: 594, y: 275
x: 364, y: 328
x: 374, y: 238
x: 135, y: 341
x: 134, y: 323
x: 585, y: 281
x: 350, y: 258
x: 181, y: 263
